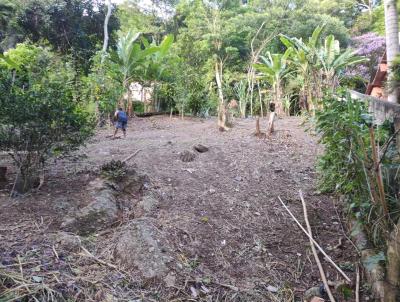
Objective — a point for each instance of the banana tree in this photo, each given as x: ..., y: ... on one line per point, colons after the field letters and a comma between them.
x: 304, y: 56
x: 241, y: 94
x: 154, y: 69
x: 332, y: 61
x: 131, y: 57
x: 274, y: 69
x: 319, y: 63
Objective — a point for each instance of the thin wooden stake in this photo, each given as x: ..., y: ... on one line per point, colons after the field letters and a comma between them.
x: 321, y: 270
x: 271, y: 122
x: 90, y: 255
x: 316, y: 243
x: 358, y: 284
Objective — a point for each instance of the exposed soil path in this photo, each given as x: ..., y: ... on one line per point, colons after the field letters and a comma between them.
x: 225, y: 226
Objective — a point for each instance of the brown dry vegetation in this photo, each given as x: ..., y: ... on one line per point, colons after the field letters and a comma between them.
x: 225, y: 233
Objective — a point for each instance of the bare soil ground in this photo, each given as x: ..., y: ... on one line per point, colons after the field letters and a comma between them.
x: 229, y: 237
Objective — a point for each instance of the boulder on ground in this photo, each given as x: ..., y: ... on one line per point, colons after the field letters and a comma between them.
x: 146, y: 205
x: 141, y: 246
x: 101, y: 211
x: 101, y: 208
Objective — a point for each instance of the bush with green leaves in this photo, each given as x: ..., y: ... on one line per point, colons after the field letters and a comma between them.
x: 349, y: 166
x: 114, y: 170
x: 40, y: 116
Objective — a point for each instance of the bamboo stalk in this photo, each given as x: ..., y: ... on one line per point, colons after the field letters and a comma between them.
x: 377, y: 170
x: 314, y: 251
x: 316, y: 243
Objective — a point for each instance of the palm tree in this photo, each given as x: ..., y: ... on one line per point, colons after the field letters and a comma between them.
x: 273, y: 69
x: 392, y: 41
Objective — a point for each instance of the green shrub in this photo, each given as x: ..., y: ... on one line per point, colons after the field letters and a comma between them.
x: 39, y: 116
x: 347, y: 166
x: 114, y: 170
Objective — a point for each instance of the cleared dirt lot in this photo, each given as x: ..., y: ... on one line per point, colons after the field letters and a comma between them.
x: 228, y: 237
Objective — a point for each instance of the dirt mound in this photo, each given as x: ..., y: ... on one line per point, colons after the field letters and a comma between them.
x: 187, y: 156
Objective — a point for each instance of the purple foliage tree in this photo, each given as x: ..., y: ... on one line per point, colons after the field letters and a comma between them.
x: 371, y: 46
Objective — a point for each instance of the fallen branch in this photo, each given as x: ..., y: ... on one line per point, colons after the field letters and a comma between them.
x: 90, y: 255
x: 314, y: 251
x: 131, y: 156
x: 316, y: 243
x: 234, y: 288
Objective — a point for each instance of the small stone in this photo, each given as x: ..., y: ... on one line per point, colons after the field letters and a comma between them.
x: 67, y: 241
x: 312, y: 292
x: 194, y: 292
x: 212, y: 191
x: 37, y: 279
x: 272, y: 289
x: 170, y: 280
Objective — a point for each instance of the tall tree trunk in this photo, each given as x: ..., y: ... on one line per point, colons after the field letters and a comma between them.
x: 222, y: 110
x: 392, y: 41
x: 106, y: 37
x: 251, y: 87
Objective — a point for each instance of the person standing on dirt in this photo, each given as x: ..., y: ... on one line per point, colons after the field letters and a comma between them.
x: 121, y: 121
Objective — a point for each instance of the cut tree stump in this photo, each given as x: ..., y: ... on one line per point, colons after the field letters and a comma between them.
x: 258, y: 132
x: 271, y: 123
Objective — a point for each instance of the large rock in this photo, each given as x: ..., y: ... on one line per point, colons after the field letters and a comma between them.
x: 101, y: 208
x: 100, y: 212
x: 146, y: 205
x: 141, y: 246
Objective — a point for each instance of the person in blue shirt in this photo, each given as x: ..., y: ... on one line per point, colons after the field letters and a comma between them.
x: 121, y: 119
